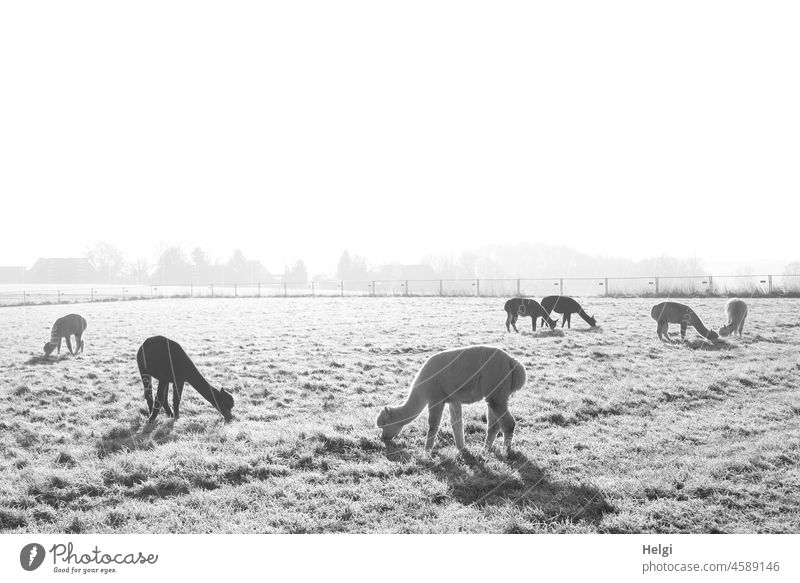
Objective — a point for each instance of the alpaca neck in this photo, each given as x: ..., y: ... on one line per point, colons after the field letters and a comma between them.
x: 202, y: 386
x: 585, y: 317
x: 700, y: 327
x: 411, y: 409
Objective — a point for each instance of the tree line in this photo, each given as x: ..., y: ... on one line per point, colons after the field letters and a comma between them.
x: 174, y: 266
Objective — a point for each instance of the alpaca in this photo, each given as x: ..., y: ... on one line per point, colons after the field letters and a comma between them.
x: 566, y: 306
x: 455, y: 377
x: 667, y: 313
x: 165, y: 360
x: 517, y: 307
x: 736, y: 310
x: 64, y: 327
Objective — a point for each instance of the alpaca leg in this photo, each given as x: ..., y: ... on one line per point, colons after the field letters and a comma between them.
x: 177, y: 395
x: 741, y: 326
x: 664, y: 329
x: 457, y: 422
x: 165, y: 402
x: 569, y: 320
x: 161, y: 397
x: 684, y: 325
x: 78, y: 343
x: 148, y: 391
x: 507, y: 423
x: 514, y: 322
x: 533, y: 323
x: 492, y: 425
x: 69, y: 345
x: 434, y: 418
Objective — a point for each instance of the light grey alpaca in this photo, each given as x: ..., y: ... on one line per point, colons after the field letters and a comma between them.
x: 455, y: 377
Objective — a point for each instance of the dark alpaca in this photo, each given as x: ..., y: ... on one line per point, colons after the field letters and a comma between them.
x: 64, y: 327
x: 566, y: 306
x: 164, y: 359
x: 517, y: 307
x: 667, y: 313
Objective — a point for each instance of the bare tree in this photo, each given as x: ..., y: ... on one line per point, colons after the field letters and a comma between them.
x: 108, y: 260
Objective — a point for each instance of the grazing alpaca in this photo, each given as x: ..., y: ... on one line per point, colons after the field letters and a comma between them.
x: 737, y: 312
x: 455, y: 377
x: 667, y: 313
x: 566, y: 306
x: 64, y: 327
x: 517, y: 307
x: 165, y: 360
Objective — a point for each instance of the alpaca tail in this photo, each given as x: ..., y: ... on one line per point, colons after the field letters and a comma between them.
x: 518, y: 375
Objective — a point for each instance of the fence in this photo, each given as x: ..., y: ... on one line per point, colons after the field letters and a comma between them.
x: 744, y: 285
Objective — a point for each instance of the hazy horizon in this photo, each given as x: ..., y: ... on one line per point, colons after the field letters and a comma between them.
x: 399, y: 131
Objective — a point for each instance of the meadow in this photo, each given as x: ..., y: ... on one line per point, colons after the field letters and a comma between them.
x: 616, y: 432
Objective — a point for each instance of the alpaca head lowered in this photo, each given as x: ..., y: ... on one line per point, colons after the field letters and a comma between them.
x: 712, y: 336
x: 592, y: 322
x: 390, y: 428
x: 552, y: 323
x: 725, y: 330
x: 225, y: 403
x: 49, y: 347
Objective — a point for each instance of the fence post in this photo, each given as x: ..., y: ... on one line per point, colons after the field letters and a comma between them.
x: 191, y: 290
x: 235, y: 291
x: 478, y: 287
x: 212, y: 290
x: 259, y: 289
x: 372, y: 289
x: 24, y: 298
x: 656, y: 280
x: 91, y: 295
x: 441, y: 288
x: 313, y: 293
x: 710, y: 285
x: 769, y: 279
x: 405, y: 288
x: 59, y: 296
x: 518, y: 288
x: 561, y: 287
x: 605, y: 285
x: 123, y: 293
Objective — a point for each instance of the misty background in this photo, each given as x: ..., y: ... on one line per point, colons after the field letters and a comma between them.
x: 445, y: 139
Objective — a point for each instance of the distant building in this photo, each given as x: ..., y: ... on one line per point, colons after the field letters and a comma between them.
x: 12, y: 274
x: 257, y: 273
x: 62, y: 270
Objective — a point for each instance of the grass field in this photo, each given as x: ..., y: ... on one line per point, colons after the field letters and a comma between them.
x: 616, y: 431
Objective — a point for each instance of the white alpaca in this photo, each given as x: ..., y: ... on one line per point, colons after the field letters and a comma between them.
x: 737, y: 312
x: 455, y: 377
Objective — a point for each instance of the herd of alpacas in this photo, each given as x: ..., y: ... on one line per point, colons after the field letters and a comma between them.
x: 454, y: 377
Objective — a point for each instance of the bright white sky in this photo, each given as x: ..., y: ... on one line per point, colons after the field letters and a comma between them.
x: 398, y: 129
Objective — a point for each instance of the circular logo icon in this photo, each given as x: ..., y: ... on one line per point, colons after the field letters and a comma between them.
x: 31, y: 556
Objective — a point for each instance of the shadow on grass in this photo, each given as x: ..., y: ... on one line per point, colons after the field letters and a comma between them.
x: 595, y: 330
x: 42, y: 359
x: 130, y: 438
x: 545, y: 333
x: 524, y: 484
x: 718, y: 346
x: 397, y: 453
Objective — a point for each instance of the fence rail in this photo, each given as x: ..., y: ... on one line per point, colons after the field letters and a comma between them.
x: 639, y: 286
